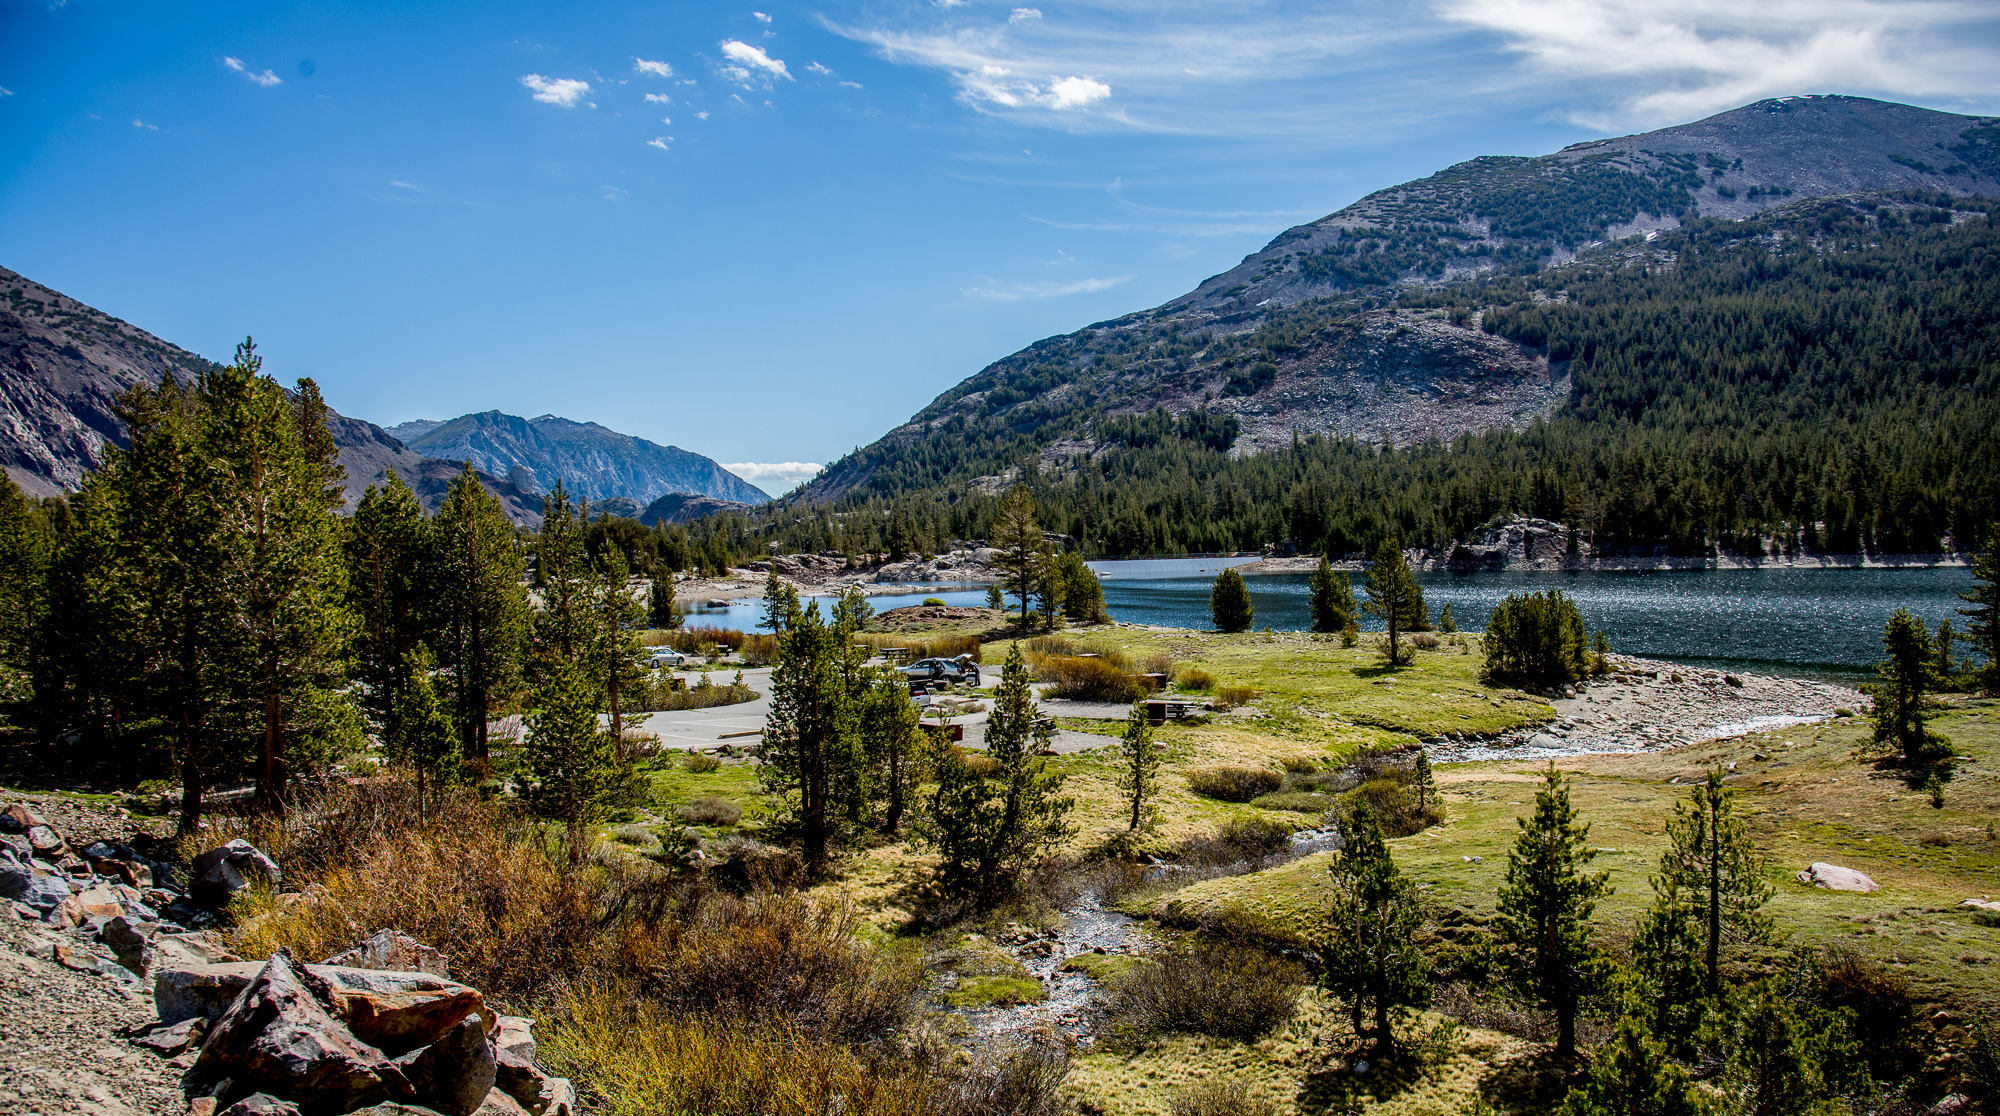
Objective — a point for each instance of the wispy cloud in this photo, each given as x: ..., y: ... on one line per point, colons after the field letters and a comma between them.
x: 137, y: 123
x: 659, y: 142
x: 1642, y: 63
x: 659, y: 98
x: 752, y: 63
x: 264, y: 78
x: 1020, y: 14
x: 816, y: 68
x: 996, y: 291
x: 775, y: 477
x: 556, y: 91
x: 6, y: 92
x: 761, y: 17
x: 657, y: 69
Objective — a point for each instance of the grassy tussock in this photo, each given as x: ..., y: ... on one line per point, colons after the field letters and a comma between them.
x: 1210, y: 988
x: 1088, y: 679
x: 644, y: 1058
x: 1231, y: 783
x: 1221, y: 1097
x: 923, y: 647
x: 662, y: 697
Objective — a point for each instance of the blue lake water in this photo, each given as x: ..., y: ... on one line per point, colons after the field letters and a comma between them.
x: 1815, y: 623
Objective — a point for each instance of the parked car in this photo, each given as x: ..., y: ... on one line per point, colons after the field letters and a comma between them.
x: 923, y: 672
x: 666, y: 658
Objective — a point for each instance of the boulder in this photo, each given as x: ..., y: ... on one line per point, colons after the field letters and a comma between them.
x: 278, y: 1037
x: 498, y: 1103
x: 515, y: 1035
x: 46, y: 842
x: 394, y: 1109
x: 1835, y: 878
x: 533, y: 1089
x: 130, y: 941
x: 66, y: 914
x: 396, y: 951
x: 395, y: 1022
x: 222, y: 872
x: 453, y: 1074
x: 100, y: 902
x: 178, y: 1039
x: 261, y: 1104
x: 184, y: 991
x: 1982, y: 904
x: 19, y: 819
x: 19, y: 881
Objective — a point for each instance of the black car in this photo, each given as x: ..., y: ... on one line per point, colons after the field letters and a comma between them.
x: 923, y: 672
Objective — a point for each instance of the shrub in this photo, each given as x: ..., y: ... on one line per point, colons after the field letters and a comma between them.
x: 1424, y: 641
x: 1220, y: 1097
x: 1535, y: 640
x: 1299, y: 765
x: 1207, y: 988
x: 934, y: 602
x: 1023, y: 1079
x: 1255, y: 837
x: 1160, y: 663
x: 1236, y: 695
x: 1301, y: 802
x: 1232, y: 783
x: 700, y: 763
x: 662, y: 697
x: 1089, y: 679
x: 707, y: 809
x: 1392, y: 798
x: 744, y: 865
x: 1196, y: 680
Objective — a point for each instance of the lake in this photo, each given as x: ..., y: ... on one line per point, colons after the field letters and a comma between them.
x: 1812, y: 623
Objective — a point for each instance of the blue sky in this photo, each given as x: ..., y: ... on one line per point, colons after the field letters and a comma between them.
x: 769, y: 233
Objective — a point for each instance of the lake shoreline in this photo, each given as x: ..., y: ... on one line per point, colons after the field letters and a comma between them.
x: 1428, y: 562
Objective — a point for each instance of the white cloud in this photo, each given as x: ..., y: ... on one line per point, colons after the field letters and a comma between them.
x: 851, y: 84
x: 659, y: 142
x: 1641, y: 63
x: 702, y: 115
x: 1020, y: 14
x: 266, y: 78
x: 775, y: 477
x: 137, y: 123
x: 667, y: 120
x: 657, y: 69
x: 1073, y: 91
x: 556, y: 91
x: 6, y: 92
x: 659, y: 98
x: 751, y: 61
x: 817, y: 68
x: 1021, y: 292
x: 761, y: 17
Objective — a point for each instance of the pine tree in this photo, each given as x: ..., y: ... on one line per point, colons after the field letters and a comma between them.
x: 480, y: 605
x: 960, y: 820
x: 1370, y: 957
x: 1667, y: 959
x: 1139, y: 777
x: 417, y: 731
x: 1447, y: 623
x: 811, y: 744
x: 1423, y: 782
x: 1018, y: 535
x: 1332, y: 599
x: 1712, y: 869
x: 387, y: 574
x: 781, y: 604
x: 26, y: 552
x: 288, y: 573
x: 615, y: 652
x: 994, y: 599
x: 1901, y: 692
x: 1791, y: 1059
x: 571, y: 768
x: 1032, y: 816
x: 1393, y: 595
x: 565, y: 628
x: 661, y: 610
x: 1083, y: 594
x: 893, y: 740
x: 1983, y: 618
x: 1545, y: 907
x: 1051, y: 593
x: 1535, y: 640
x: 1632, y: 1076
x: 1229, y: 603
x: 851, y: 610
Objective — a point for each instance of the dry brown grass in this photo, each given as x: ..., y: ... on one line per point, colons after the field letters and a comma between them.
x: 1233, y: 783
x: 1088, y: 679
x: 755, y: 647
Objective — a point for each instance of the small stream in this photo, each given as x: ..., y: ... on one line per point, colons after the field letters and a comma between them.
x: 1088, y: 926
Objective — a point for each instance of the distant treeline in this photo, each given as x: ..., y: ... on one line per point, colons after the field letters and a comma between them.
x: 1827, y: 374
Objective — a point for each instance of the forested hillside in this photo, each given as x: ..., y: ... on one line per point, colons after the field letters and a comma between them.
x: 1825, y: 374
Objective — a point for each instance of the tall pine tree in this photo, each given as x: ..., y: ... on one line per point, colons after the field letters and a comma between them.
x: 1983, y: 618
x: 1370, y: 957
x: 572, y: 768
x: 388, y: 563
x: 481, y: 605
x: 1393, y: 595
x: 1711, y: 869
x: 1545, y: 907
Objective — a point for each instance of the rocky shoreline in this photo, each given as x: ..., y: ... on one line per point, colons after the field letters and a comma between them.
x: 823, y: 574
x: 1644, y: 705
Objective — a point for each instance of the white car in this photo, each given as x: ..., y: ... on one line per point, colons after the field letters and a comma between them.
x: 666, y: 658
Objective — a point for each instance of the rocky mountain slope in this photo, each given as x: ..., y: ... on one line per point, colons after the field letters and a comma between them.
x: 63, y: 365
x: 1297, y: 338
x: 592, y: 461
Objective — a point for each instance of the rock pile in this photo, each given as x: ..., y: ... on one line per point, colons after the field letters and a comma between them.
x: 352, y: 1034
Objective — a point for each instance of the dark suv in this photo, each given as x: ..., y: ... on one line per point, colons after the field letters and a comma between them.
x: 923, y: 672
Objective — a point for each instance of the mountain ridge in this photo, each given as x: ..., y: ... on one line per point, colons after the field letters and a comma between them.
x: 1299, y: 338
x: 63, y: 365
x: 593, y: 461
